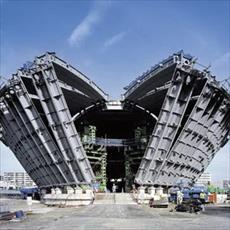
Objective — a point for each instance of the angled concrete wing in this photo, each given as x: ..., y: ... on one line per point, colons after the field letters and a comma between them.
x: 189, y: 106
x: 38, y: 124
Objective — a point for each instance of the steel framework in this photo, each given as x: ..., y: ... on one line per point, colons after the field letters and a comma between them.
x: 175, y: 118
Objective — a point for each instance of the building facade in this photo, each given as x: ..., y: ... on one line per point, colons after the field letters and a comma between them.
x: 17, y: 179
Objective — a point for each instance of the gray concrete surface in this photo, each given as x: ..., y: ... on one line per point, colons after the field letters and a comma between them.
x: 115, y: 216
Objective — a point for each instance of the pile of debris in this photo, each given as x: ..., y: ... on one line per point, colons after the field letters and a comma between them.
x: 6, y: 216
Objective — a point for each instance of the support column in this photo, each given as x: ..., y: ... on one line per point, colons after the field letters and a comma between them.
x: 69, y: 190
x: 159, y: 191
x: 141, y: 195
x: 152, y: 191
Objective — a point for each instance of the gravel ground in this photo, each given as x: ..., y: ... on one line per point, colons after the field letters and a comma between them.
x: 113, y: 216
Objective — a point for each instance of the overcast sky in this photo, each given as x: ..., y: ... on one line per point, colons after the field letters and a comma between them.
x: 113, y: 42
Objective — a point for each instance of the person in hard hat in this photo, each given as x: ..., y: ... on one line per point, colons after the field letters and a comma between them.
x: 202, y: 196
x: 202, y: 199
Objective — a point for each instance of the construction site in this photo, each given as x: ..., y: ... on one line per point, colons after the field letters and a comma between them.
x: 66, y: 131
x: 80, y: 147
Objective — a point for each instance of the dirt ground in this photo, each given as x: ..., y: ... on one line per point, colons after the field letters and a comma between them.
x: 114, y: 216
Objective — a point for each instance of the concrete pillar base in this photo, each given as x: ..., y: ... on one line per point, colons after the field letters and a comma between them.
x: 159, y: 191
x: 78, y: 191
x: 68, y: 197
x: 69, y: 190
x: 58, y: 191
x: 141, y: 195
x: 152, y: 191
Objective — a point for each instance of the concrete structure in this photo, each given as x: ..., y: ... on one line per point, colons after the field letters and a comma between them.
x: 65, y: 131
x: 204, y: 179
x: 17, y: 179
x: 71, y: 197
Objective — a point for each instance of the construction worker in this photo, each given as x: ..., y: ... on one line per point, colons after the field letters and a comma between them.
x: 202, y: 196
x: 202, y: 199
x: 180, y: 196
x: 114, y: 188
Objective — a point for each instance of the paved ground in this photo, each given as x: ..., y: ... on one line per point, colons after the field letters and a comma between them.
x: 114, y: 216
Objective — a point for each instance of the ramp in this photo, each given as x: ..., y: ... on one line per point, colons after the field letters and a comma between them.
x: 114, y: 198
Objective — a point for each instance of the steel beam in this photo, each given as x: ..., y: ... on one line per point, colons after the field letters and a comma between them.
x: 164, y: 132
x: 57, y: 113
x: 21, y: 146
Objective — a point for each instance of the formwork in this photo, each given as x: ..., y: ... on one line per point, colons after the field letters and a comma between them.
x: 65, y: 131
